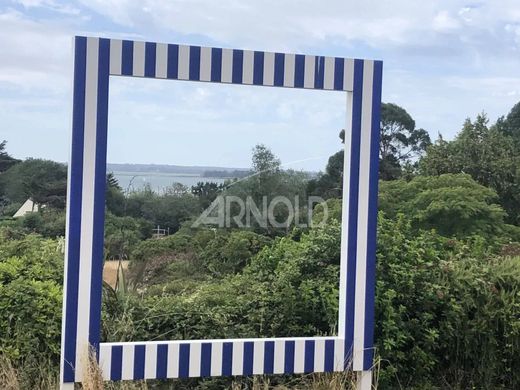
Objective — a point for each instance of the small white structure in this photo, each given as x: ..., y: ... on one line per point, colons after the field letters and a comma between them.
x: 28, y: 207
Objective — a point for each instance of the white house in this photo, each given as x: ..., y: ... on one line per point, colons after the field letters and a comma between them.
x: 28, y: 207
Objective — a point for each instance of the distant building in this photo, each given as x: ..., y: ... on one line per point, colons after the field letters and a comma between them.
x: 28, y: 207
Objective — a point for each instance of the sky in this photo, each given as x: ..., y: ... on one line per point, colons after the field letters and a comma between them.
x: 444, y: 61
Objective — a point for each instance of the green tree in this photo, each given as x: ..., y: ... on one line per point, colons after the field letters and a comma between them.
x: 6, y: 161
x: 453, y: 205
x: 44, y: 181
x: 206, y: 192
x: 330, y: 183
x: 114, y: 198
x: 400, y: 142
x: 487, y: 154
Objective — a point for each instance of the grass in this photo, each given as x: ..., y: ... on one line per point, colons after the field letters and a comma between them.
x: 46, y: 378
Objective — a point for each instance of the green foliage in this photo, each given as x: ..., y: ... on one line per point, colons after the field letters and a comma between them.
x: 123, y: 234
x: 168, y: 210
x: 329, y: 184
x: 44, y: 181
x: 229, y: 253
x: 441, y: 315
x: 454, y: 205
x: 486, y: 153
x: 48, y: 222
x: 30, y: 297
x: 206, y: 192
x: 6, y: 161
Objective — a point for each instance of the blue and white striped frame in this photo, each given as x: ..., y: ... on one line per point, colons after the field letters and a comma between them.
x: 95, y: 60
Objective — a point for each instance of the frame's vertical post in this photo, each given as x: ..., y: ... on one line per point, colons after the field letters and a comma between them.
x: 73, y: 219
x: 85, y: 208
x: 359, y: 219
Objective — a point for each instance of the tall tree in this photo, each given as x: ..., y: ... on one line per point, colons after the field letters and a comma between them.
x: 487, y: 154
x: 6, y: 161
x: 400, y: 142
x: 44, y: 181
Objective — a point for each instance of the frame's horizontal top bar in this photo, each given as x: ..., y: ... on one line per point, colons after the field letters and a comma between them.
x: 316, y: 338
x: 234, y: 66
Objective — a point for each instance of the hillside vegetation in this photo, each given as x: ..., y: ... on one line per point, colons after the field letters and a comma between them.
x: 448, y: 263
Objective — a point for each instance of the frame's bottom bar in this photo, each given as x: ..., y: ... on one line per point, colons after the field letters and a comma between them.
x: 183, y: 359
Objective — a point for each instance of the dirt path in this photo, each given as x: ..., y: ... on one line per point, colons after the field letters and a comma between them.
x: 110, y: 271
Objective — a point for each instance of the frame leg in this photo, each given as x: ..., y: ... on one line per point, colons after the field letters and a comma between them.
x: 67, y: 386
x: 364, y: 380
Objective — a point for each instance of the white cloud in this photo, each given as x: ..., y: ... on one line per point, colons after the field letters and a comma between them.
x: 49, y: 4
x: 34, y: 55
x: 444, y: 22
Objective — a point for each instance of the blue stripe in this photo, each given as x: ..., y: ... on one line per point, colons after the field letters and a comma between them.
x: 162, y: 361
x: 353, y: 204
x: 258, y: 68
x: 149, y: 59
x: 184, y: 360
x: 205, y: 359
x: 339, y: 71
x: 139, y: 359
x: 195, y: 63
x: 127, y: 58
x: 116, y: 363
x: 227, y: 358
x: 238, y: 66
x: 299, y: 70
x: 319, y: 72
x: 289, y: 357
x: 329, y: 356
x: 279, y: 61
x: 309, y: 356
x: 172, y: 70
x: 372, y: 218
x: 268, y: 357
x: 216, y: 65
x: 96, y: 277
x: 248, y: 358
x: 74, y: 206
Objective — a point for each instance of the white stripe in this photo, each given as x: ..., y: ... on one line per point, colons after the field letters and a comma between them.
x: 216, y: 359
x: 238, y: 358
x: 319, y: 356
x: 328, y: 80
x: 268, y: 68
x: 116, y: 53
x: 150, y: 362
x: 227, y: 65
x: 161, y: 61
x: 127, y: 365
x: 105, y: 360
x: 195, y: 357
x: 247, y: 70
x: 362, y: 233
x: 172, y: 370
x: 348, y: 75
x: 184, y: 62
x: 308, y: 80
x: 339, y: 356
x: 205, y: 64
x: 258, y: 358
x: 87, y: 207
x: 279, y: 357
x: 288, y: 71
x: 344, y: 220
x: 299, y: 356
x: 138, y: 67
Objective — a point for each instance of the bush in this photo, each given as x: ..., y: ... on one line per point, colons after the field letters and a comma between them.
x: 31, y: 271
